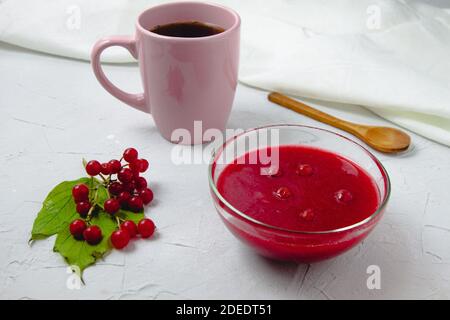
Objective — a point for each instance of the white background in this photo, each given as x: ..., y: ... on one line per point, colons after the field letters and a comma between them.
x: 53, y: 112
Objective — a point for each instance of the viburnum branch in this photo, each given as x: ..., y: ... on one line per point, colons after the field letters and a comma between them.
x: 113, y: 193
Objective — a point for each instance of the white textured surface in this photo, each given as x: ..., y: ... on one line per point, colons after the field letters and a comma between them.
x: 53, y: 113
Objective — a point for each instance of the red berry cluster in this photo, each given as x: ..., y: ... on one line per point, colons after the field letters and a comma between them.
x: 127, y: 190
x: 128, y: 230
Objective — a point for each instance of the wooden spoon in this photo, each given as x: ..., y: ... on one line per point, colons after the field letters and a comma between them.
x: 384, y: 139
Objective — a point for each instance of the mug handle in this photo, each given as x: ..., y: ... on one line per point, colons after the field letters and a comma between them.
x: 136, y: 101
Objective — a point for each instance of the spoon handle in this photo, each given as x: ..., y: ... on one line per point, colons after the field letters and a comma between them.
x: 308, y: 111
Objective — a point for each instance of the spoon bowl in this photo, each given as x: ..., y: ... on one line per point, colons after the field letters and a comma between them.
x: 387, y: 139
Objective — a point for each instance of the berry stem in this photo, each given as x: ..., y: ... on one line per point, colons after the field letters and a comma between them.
x: 92, y: 184
x: 95, y: 195
x: 103, y: 178
x: 89, y: 215
x: 108, y: 193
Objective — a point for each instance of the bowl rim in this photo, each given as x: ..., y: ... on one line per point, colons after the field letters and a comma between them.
x: 216, y: 192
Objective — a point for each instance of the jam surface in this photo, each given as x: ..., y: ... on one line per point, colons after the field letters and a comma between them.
x: 313, y: 190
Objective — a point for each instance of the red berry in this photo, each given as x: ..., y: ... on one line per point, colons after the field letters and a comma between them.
x: 115, y: 188
x: 112, y: 206
x: 343, y: 196
x: 307, y: 214
x: 136, y: 175
x: 135, y: 166
x: 141, y: 183
x: 139, y: 165
x: 115, y: 166
x: 146, y: 228
x: 144, y: 165
x: 93, y: 168
x: 283, y: 193
x: 83, y: 208
x: 130, y: 155
x: 146, y: 195
x: 77, y: 228
x: 80, y: 193
x: 123, y: 198
x: 130, y: 227
x: 129, y: 186
x: 304, y: 170
x: 136, y: 204
x: 120, y: 239
x: 93, y: 235
x: 106, y: 169
x: 125, y: 175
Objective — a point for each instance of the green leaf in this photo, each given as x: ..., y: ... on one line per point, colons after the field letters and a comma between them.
x: 101, y: 196
x: 58, y: 210
x: 80, y: 253
x: 128, y: 215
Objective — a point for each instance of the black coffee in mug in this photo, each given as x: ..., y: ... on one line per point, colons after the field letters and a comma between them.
x: 189, y: 29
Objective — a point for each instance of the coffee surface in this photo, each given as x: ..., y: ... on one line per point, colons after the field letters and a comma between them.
x: 189, y: 29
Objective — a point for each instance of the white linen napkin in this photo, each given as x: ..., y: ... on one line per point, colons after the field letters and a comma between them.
x: 390, y: 56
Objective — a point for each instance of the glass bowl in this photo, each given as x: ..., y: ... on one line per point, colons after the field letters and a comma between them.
x: 293, y: 245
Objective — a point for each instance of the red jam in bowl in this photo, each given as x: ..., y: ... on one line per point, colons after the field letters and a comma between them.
x: 299, y: 207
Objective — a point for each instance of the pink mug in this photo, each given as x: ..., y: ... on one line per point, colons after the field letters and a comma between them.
x: 185, y: 80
